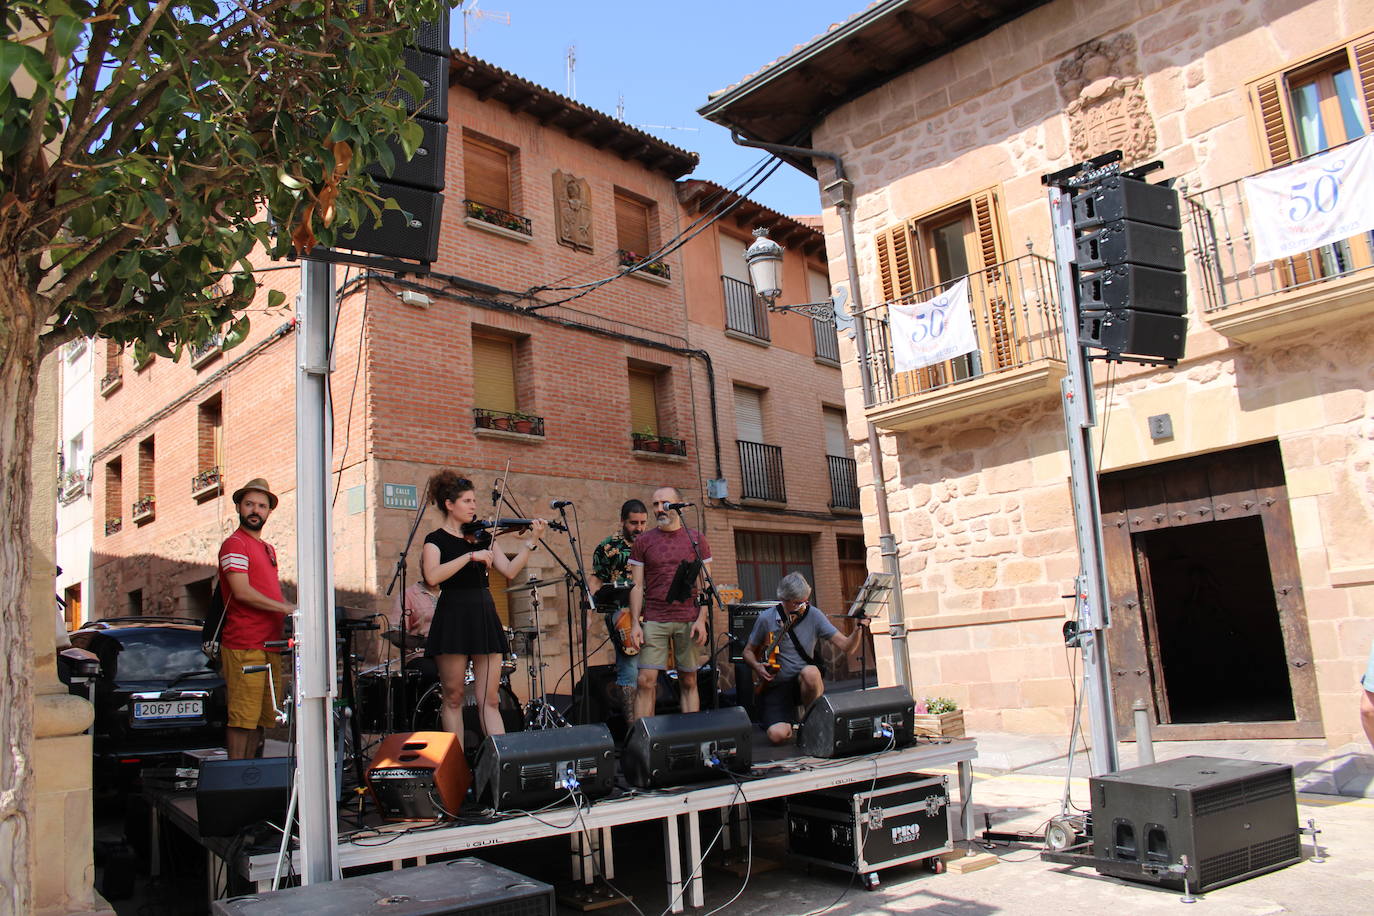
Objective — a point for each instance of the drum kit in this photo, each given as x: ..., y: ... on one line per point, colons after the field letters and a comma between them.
x: 403, y: 692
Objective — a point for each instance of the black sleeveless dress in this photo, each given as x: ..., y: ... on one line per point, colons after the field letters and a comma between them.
x: 465, y: 621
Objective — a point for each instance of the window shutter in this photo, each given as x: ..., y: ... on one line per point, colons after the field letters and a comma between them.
x: 632, y: 225
x: 493, y: 374
x: 836, y: 441
x: 732, y: 262
x: 643, y: 403
x: 748, y: 415
x: 486, y: 174
x: 999, y: 335
x: 894, y: 263
x: 1363, y: 54
x: 1273, y: 121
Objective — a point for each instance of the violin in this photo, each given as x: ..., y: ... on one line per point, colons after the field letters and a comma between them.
x: 481, y: 532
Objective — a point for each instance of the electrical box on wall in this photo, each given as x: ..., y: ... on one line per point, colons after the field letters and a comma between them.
x: 718, y: 488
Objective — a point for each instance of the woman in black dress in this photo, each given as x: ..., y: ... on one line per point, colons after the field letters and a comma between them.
x: 465, y: 625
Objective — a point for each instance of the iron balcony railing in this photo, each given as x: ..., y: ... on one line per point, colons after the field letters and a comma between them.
x: 634, y: 259
x: 507, y: 421
x: 498, y: 217
x: 844, y: 483
x: 1223, y: 255
x: 827, y: 336
x: 744, y: 311
x: 760, y: 470
x: 1015, y: 315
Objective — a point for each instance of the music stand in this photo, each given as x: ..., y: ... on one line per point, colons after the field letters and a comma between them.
x: 684, y: 579
x: 871, y: 598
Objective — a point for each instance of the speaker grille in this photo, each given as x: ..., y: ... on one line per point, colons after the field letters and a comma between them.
x: 1221, y: 798
x: 1247, y: 859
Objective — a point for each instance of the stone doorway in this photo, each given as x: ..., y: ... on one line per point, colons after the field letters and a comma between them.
x: 1208, y: 622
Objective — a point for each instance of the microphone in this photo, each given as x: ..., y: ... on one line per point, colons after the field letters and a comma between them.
x: 673, y: 506
x: 559, y: 503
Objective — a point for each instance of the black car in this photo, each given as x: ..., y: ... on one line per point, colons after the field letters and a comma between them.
x: 155, y: 695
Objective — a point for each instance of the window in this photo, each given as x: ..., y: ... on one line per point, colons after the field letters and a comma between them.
x: 487, y: 173
x: 826, y: 333
x: 210, y: 435
x: 760, y: 465
x: 745, y: 312
x: 114, y: 495
x: 134, y: 602
x: 111, y: 379
x: 844, y: 486
x: 762, y: 559
x: 748, y: 414
x: 1312, y: 108
x: 633, y: 225
x: 198, y: 595
x: 644, y: 402
x: 71, y: 600
x: 493, y: 373
x: 921, y: 257
x: 142, y: 510
x: 836, y: 438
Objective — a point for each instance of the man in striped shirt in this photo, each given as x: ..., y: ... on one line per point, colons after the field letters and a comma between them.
x: 254, y: 614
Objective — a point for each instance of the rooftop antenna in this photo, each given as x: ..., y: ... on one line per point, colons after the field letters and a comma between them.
x: 620, y: 108
x: 470, y: 12
x: 620, y: 115
x: 572, y: 72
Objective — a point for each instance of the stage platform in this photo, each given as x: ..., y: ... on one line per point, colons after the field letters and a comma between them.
x: 679, y: 809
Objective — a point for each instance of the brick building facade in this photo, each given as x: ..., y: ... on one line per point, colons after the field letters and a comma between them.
x: 1239, y: 571
x: 529, y: 347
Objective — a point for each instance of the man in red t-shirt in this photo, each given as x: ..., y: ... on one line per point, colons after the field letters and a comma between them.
x: 658, y: 624
x: 254, y: 614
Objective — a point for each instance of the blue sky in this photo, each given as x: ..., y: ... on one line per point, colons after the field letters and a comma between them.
x: 664, y: 58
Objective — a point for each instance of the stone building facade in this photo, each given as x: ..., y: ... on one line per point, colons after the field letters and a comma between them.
x: 530, y: 354
x: 1235, y: 487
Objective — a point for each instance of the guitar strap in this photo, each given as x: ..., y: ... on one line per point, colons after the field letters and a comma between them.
x: 806, y: 656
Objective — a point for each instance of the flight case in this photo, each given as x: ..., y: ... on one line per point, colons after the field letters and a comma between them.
x: 866, y: 826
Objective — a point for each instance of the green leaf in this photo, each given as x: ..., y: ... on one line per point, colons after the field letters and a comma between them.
x: 237, y: 333
x: 66, y: 33
x: 11, y: 56
x: 275, y: 297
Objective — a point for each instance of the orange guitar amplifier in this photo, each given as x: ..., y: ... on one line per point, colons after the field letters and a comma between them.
x: 419, y: 776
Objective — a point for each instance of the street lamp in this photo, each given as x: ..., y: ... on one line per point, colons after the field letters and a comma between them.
x: 764, y: 259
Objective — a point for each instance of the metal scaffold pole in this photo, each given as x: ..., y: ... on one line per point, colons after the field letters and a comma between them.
x: 1090, y: 588
x: 314, y: 680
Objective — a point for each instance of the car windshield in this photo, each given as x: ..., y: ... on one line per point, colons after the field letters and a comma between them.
x: 148, y: 654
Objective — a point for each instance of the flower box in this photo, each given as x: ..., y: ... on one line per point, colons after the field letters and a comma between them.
x: 113, y: 526
x: 206, y: 484
x: 111, y: 381
x: 940, y: 725
x: 143, y: 510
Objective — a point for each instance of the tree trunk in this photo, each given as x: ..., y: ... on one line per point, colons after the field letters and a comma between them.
x: 19, y: 363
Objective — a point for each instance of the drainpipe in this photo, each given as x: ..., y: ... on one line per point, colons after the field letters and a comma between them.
x: 841, y: 192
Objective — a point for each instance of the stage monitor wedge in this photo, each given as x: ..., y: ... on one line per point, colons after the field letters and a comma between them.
x: 528, y: 769
x: 676, y: 749
x: 459, y: 887
x: 419, y: 776
x: 858, y: 722
x: 232, y: 794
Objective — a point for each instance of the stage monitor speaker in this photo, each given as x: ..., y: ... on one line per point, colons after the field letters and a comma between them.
x: 459, y: 887
x: 858, y: 722
x: 232, y: 794
x: 742, y: 617
x: 1233, y: 819
x: 529, y: 769
x: 419, y: 776
x: 676, y: 749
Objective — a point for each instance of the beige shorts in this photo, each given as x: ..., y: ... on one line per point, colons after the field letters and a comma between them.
x: 662, y: 636
x: 250, y: 698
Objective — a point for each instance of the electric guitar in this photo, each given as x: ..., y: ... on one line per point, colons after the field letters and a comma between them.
x: 619, y: 624
x: 772, y: 652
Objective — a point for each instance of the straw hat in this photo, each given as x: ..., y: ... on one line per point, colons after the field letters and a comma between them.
x: 259, y: 484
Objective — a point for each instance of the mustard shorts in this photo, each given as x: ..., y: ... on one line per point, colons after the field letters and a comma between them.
x: 250, y: 697
x: 662, y: 636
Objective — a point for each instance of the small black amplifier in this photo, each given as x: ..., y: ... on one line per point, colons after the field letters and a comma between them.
x: 231, y: 794
x: 742, y: 617
x: 528, y: 769
x: 460, y: 887
x: 1232, y: 819
x: 858, y: 722
x: 874, y: 824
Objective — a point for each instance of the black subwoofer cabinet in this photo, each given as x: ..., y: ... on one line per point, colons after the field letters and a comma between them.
x: 1233, y: 819
x: 871, y: 825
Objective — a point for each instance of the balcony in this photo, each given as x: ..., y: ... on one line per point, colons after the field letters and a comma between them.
x: 658, y: 445
x: 501, y: 219
x: 144, y: 509
x: 113, y: 526
x: 760, y: 471
x: 1250, y: 300
x: 206, y: 352
x: 71, y: 487
x: 110, y: 382
x: 502, y: 421
x: 745, y: 313
x: 844, y: 483
x: 1020, y: 355
x: 652, y: 269
x: 827, y: 336
x: 206, y: 484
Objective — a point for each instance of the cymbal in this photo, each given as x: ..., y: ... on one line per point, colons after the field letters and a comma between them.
x: 404, y: 640
x: 535, y: 583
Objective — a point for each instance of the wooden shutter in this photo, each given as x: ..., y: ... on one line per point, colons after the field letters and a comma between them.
x: 895, y: 270
x: 748, y: 415
x: 998, y: 334
x: 632, y: 225
x: 493, y: 373
x: 486, y: 174
x: 732, y: 262
x: 643, y: 402
x: 836, y: 439
x: 1362, y: 53
x: 1271, y: 102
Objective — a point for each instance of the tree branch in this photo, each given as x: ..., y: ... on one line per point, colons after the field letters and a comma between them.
x: 82, y: 271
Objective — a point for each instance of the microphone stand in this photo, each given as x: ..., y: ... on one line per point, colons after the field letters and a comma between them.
x: 708, y: 599
x: 586, y: 602
x: 404, y: 621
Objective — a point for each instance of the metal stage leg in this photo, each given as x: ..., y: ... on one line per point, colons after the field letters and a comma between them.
x: 966, y: 799
x: 154, y: 841
x: 694, y: 864
x: 672, y: 849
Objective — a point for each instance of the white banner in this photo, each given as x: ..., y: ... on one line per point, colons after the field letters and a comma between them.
x: 1320, y: 200
x: 931, y: 332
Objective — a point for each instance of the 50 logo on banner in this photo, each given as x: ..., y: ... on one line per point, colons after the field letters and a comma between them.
x: 1313, y: 202
x: 933, y: 331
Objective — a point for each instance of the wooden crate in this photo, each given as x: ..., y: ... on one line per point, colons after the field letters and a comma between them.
x: 944, y: 725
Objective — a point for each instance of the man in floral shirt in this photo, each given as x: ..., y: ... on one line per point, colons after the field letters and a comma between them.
x: 610, y: 566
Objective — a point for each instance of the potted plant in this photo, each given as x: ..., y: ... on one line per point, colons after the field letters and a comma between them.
x: 522, y: 422
x: 645, y: 440
x: 939, y: 717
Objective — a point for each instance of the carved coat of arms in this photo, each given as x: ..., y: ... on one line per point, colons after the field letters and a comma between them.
x: 1105, y: 101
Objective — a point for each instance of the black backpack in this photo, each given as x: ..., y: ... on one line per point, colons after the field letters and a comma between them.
x: 210, y: 629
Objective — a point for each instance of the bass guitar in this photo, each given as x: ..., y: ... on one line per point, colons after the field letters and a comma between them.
x: 771, y: 659
x: 619, y: 625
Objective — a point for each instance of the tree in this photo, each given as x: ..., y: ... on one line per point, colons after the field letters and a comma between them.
x: 147, y: 147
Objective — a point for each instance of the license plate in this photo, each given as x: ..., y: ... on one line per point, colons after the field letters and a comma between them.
x: 169, y: 709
